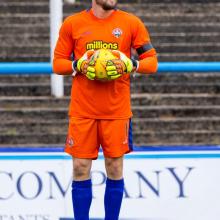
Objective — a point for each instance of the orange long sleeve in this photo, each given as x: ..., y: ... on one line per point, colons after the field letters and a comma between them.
x: 148, y: 65
x: 148, y: 62
x: 62, y: 63
x: 62, y: 66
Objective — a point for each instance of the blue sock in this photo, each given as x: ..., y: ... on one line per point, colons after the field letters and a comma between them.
x: 81, y: 198
x: 113, y: 198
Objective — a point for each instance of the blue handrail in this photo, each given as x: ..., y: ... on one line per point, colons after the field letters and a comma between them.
x: 46, y: 68
x: 26, y: 68
x: 189, y: 67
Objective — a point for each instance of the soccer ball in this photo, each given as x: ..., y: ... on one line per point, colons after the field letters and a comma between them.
x: 100, y: 58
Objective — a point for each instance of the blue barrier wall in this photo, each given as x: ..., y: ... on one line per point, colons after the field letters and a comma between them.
x: 46, y: 68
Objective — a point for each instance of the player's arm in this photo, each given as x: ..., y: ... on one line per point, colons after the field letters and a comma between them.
x: 62, y: 63
x: 147, y: 62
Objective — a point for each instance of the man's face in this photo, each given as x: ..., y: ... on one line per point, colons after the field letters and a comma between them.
x: 107, y: 4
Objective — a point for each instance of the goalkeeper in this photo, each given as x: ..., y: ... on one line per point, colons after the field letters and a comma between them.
x: 100, y: 112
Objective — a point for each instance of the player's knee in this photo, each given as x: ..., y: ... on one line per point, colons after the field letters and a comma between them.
x: 114, y: 168
x: 81, y: 169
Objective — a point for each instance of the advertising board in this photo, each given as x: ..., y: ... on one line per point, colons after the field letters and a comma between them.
x: 159, y: 185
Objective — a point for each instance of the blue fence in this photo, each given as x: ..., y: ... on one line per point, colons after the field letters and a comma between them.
x: 46, y: 68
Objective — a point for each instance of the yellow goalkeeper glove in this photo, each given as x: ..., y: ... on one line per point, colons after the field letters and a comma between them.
x: 85, y: 66
x: 115, y: 68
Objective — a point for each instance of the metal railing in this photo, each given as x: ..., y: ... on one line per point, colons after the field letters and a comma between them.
x: 46, y: 68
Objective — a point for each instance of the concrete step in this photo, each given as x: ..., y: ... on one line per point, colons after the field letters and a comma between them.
x: 26, y: 114
x: 169, y: 112
x: 168, y: 88
x: 202, y: 82
x: 124, y: 3
x: 33, y: 139
x: 155, y: 6
x: 138, y: 125
x: 37, y: 49
x: 144, y: 99
x: 164, y: 112
x: 21, y: 18
x: 175, y: 17
x: 196, y: 57
x: 171, y: 47
x: 154, y: 27
x: 183, y: 77
x: 36, y: 146
x: 178, y: 1
x: 25, y: 78
x: 184, y: 47
x: 38, y: 56
x: 188, y: 137
x: 157, y: 38
x: 44, y: 89
x: 163, y: 57
x: 33, y: 50
x: 182, y: 27
x: 5, y: 57
x: 181, y: 37
x: 173, y: 8
x: 159, y: 1
x: 32, y: 127
x: 187, y: 18
x: 175, y: 77
x: 11, y: 102
x: 23, y: 1
x: 22, y: 29
x: 24, y: 7
x: 176, y: 124
x: 25, y: 89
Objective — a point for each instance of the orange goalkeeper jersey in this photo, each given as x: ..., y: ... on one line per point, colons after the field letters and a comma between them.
x: 84, y: 31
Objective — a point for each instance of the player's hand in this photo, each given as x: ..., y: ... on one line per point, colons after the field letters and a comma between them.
x: 85, y: 66
x: 127, y: 63
x: 115, y: 68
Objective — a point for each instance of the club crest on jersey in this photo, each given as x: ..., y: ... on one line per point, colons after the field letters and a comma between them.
x: 69, y: 141
x: 117, y: 32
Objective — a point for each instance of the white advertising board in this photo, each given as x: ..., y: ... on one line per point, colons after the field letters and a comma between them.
x: 163, y: 185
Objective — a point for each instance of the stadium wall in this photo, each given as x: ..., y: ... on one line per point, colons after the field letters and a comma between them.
x: 175, y: 183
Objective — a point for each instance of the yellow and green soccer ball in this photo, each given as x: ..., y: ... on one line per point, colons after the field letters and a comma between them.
x: 100, y: 59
